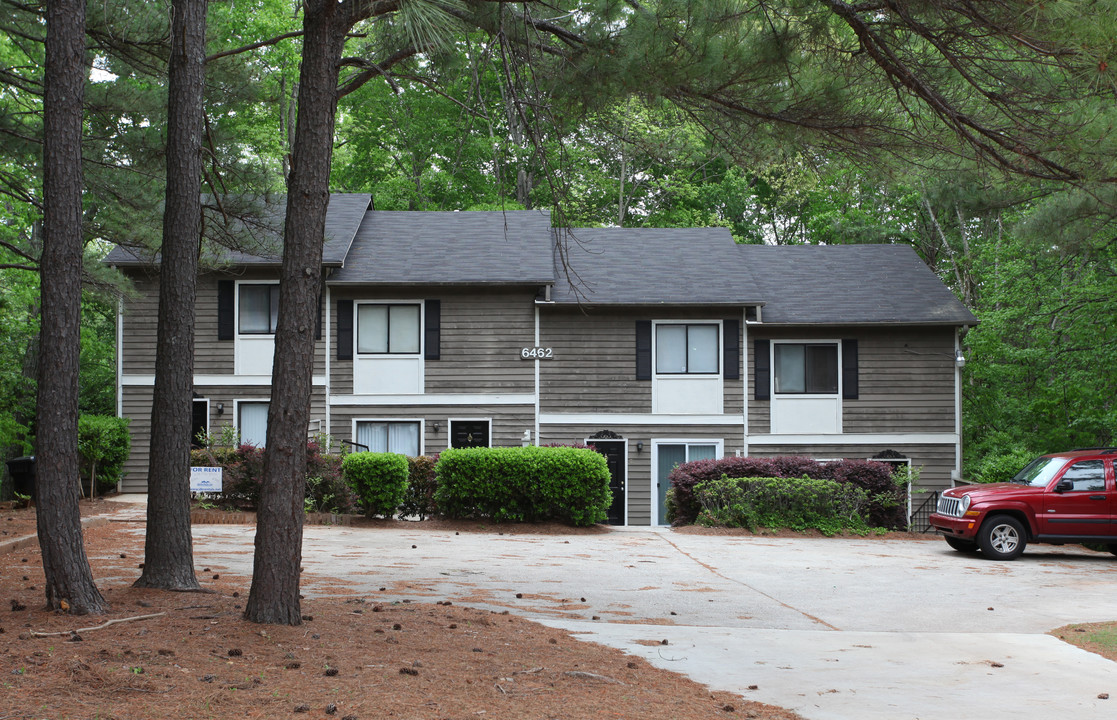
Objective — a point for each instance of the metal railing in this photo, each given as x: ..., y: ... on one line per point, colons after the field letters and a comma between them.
x: 921, y: 515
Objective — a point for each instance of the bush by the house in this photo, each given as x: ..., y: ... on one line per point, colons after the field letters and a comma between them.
x: 796, y: 503
x: 886, y: 506
x: 243, y: 474
x: 524, y: 484
x: 379, y: 479
x: 1000, y: 466
x: 418, y: 499
x: 104, y: 445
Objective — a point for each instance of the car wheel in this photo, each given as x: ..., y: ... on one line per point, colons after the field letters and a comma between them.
x: 966, y: 546
x: 1002, y: 538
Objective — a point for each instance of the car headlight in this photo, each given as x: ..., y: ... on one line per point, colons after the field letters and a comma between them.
x: 965, y: 504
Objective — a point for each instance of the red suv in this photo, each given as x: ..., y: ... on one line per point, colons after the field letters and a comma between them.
x: 1059, y: 498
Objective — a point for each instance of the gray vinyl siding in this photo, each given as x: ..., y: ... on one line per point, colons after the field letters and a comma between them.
x: 906, y: 378
x: 482, y: 332
x: 594, y: 365
x: 507, y: 422
x: 136, y: 406
x: 639, y: 484
x: 211, y: 356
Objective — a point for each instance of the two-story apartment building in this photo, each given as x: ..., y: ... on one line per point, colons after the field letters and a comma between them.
x: 447, y: 329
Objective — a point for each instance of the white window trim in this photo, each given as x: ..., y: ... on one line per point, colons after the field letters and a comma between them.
x: 421, y: 421
x: 819, y: 341
x: 450, y: 433
x: 237, y: 402
x: 209, y: 409
x: 720, y: 351
x: 421, y: 304
x: 656, y: 442
x: 236, y: 308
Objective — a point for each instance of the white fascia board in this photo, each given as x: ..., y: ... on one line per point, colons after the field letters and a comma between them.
x: 638, y: 419
x: 856, y: 439
x: 429, y: 399
x: 213, y: 380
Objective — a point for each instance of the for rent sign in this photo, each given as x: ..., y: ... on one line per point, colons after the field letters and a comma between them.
x: 205, y: 479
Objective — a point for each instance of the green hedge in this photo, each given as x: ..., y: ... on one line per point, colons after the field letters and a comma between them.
x: 379, y: 479
x: 418, y: 499
x: 524, y: 484
x: 798, y: 504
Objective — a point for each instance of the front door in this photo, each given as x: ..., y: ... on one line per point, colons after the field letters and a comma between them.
x: 469, y: 433
x: 613, y: 450
x: 670, y: 454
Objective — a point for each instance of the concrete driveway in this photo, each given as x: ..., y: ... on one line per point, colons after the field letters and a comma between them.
x: 852, y: 629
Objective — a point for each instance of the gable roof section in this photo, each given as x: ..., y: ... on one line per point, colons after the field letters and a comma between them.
x: 450, y: 248
x: 652, y: 266
x: 264, y: 233
x: 851, y: 285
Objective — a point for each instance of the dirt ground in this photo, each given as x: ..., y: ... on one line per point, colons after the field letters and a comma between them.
x: 190, y: 655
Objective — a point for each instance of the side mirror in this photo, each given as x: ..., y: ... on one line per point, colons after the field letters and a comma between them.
x: 1063, y: 486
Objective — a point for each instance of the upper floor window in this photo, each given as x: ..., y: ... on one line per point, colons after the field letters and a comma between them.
x: 686, y: 349
x: 806, y: 368
x: 259, y: 308
x: 388, y: 329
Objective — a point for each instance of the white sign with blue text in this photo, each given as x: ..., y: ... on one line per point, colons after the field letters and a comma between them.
x: 205, y: 479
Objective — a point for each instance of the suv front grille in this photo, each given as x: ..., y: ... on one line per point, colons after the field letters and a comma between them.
x: 950, y: 506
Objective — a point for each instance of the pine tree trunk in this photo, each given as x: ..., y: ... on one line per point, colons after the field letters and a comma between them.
x: 168, y: 552
x: 69, y: 580
x: 274, y: 596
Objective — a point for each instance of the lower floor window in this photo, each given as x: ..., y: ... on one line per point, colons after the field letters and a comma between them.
x: 389, y: 436
x: 252, y: 422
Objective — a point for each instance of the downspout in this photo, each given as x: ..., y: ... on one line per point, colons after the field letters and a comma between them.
x: 119, y: 363
x: 745, y: 381
x: 326, y: 336
x: 959, y: 362
x: 536, y: 361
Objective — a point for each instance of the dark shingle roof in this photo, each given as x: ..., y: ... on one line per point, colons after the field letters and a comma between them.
x: 441, y: 248
x: 850, y: 284
x: 260, y: 234
x: 653, y: 266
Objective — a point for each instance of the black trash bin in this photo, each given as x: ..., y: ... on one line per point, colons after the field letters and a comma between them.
x: 22, y: 470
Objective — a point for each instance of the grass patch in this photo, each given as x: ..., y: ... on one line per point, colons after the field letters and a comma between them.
x: 1100, y: 638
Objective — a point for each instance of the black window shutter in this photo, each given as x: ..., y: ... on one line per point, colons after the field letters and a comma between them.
x: 762, y: 368
x: 432, y: 330
x: 849, y: 370
x: 344, y: 329
x: 318, y: 325
x: 226, y: 302
x: 731, y: 355
x: 643, y: 349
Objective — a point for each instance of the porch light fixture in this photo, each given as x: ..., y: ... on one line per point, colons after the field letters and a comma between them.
x: 959, y: 360
x: 639, y: 447
x: 220, y: 408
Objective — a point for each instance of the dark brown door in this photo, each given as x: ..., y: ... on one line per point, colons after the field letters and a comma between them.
x: 613, y: 450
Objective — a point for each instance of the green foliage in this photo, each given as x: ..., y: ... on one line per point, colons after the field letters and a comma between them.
x: 104, y: 444
x: 243, y: 472
x: 524, y: 484
x: 379, y: 479
x: 1000, y: 466
x: 795, y: 503
x: 422, y: 482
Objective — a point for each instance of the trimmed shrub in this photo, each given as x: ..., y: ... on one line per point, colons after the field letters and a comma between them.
x: 422, y: 481
x: 800, y: 504
x: 379, y: 479
x: 886, y: 497
x: 103, y: 444
x: 524, y: 484
x: 243, y: 475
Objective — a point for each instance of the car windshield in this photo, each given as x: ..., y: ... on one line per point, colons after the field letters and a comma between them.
x: 1039, y: 471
